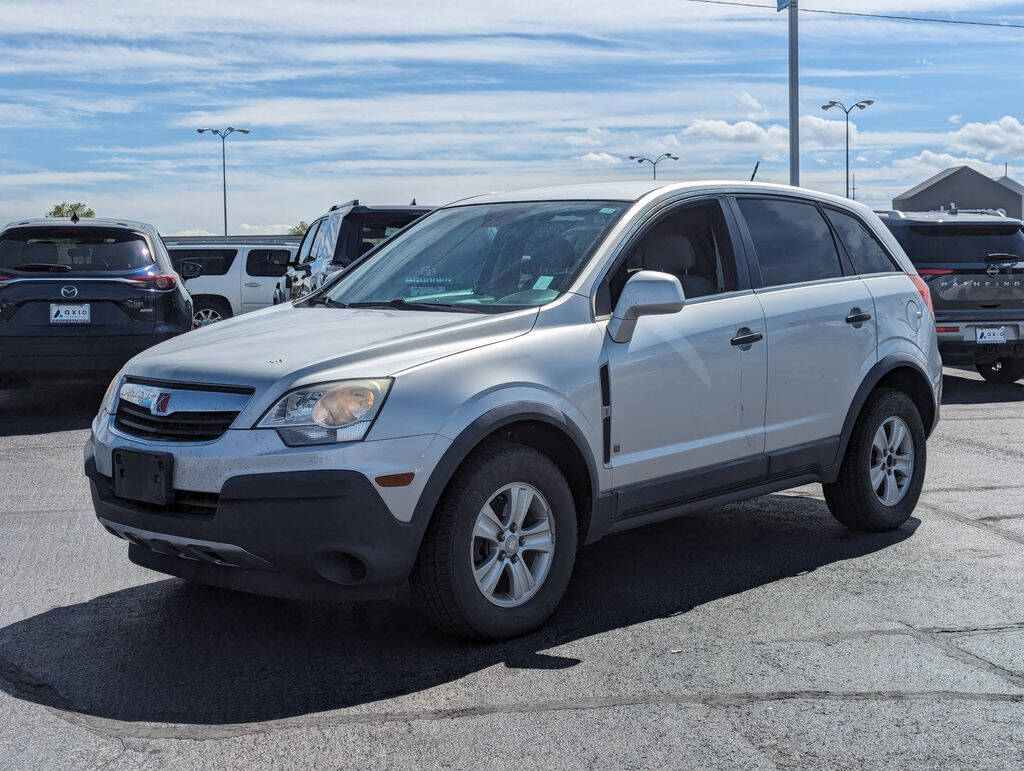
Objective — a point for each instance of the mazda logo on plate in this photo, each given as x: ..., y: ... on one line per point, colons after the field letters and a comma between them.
x: 69, y: 291
x: 992, y: 270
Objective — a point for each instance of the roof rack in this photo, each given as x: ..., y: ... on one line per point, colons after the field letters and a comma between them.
x: 353, y: 202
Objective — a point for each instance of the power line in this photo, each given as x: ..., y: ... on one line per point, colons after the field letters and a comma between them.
x: 962, y: 22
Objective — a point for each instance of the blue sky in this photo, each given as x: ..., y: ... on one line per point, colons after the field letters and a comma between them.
x: 387, y: 100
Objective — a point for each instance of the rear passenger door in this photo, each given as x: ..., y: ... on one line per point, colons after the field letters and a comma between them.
x: 261, y: 276
x: 820, y: 329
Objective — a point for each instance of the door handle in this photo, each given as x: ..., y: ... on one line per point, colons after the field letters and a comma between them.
x: 251, y: 284
x: 746, y: 337
x: 857, y: 316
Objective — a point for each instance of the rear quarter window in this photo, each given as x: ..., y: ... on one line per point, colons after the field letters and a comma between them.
x: 864, y: 250
x: 258, y: 262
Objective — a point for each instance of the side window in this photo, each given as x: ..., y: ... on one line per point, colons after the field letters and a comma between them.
x: 215, y: 262
x: 307, y: 243
x: 866, y: 254
x: 792, y: 241
x: 692, y: 243
x: 258, y: 262
x: 326, y: 239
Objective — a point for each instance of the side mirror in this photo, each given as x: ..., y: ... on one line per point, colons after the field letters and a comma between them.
x: 647, y: 293
x: 189, y: 270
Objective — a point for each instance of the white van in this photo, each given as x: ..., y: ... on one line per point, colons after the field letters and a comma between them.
x: 238, y: 275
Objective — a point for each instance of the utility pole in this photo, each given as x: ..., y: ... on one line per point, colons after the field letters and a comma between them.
x: 794, y: 91
x: 854, y: 186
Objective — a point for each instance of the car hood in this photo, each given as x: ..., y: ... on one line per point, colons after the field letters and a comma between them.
x: 321, y: 343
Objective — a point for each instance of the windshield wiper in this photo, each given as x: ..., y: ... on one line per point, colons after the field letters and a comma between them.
x: 44, y: 267
x: 327, y: 300
x: 400, y: 304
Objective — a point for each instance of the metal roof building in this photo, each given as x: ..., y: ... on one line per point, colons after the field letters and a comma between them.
x: 966, y: 188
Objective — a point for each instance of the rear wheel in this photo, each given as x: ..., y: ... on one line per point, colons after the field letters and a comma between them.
x: 1002, y: 370
x: 501, y: 546
x: 882, y: 473
x: 209, y: 310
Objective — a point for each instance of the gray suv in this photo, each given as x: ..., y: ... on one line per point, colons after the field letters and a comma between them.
x: 520, y: 374
x: 973, y: 263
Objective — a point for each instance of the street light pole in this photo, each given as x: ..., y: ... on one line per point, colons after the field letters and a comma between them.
x: 224, y: 134
x: 861, y: 105
x: 655, y: 162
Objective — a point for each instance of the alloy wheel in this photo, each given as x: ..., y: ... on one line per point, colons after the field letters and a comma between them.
x: 513, y: 545
x: 205, y: 316
x: 892, y: 460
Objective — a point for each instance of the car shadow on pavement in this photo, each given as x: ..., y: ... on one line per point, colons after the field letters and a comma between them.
x: 170, y: 652
x: 957, y: 389
x: 49, y: 407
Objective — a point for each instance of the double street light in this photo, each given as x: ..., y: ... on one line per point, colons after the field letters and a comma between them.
x: 224, y: 134
x: 654, y: 164
x: 861, y: 105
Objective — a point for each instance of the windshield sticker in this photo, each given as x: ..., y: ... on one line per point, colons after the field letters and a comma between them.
x: 543, y: 282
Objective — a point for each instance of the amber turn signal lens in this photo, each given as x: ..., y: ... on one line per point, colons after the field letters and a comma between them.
x: 395, y: 480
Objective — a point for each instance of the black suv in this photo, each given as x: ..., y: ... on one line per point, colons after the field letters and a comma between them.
x: 973, y: 262
x: 81, y: 297
x: 338, y: 238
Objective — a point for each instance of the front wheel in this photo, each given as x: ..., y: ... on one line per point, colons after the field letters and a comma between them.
x: 500, y: 549
x: 882, y: 473
x: 1002, y: 370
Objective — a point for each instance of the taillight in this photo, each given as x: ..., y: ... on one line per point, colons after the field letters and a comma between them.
x: 925, y: 292
x: 947, y: 329
x: 161, y: 281
x: 935, y: 271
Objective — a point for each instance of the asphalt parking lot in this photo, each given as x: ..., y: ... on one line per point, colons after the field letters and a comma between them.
x: 756, y: 635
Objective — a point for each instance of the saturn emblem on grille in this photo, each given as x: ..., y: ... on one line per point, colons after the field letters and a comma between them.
x: 69, y: 291
x: 161, y: 403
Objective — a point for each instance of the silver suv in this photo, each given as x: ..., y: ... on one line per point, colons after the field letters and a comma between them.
x: 520, y: 374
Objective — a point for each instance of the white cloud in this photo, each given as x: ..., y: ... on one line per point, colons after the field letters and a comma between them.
x: 743, y: 132
x: 928, y: 162
x: 1001, y: 138
x: 956, y: 118
x: 602, y: 159
x: 260, y: 230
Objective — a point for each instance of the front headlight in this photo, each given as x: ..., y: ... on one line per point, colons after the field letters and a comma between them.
x: 342, y: 411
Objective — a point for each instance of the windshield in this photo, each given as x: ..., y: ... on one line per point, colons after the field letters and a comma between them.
x: 73, y: 250
x: 960, y: 243
x: 485, y: 257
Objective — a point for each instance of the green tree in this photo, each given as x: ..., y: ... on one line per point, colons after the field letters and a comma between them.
x: 299, y: 230
x: 65, y: 209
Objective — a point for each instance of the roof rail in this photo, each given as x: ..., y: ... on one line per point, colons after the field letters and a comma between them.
x: 890, y: 213
x: 353, y: 202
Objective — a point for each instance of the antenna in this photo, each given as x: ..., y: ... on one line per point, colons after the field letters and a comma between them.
x: 413, y: 202
x: 756, y: 165
x: 74, y: 217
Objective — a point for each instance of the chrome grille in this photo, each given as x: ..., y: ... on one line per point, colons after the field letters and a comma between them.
x: 185, y: 412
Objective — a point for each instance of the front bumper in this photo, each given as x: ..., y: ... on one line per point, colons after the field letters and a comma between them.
x: 253, y: 515
x: 299, y: 534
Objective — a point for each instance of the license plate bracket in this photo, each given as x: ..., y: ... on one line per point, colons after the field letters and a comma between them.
x: 143, y: 476
x: 990, y: 334
x: 78, y: 313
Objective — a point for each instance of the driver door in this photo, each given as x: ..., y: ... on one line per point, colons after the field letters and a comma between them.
x: 687, y: 400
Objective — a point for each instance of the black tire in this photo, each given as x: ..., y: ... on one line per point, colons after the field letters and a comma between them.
x: 851, y: 498
x: 1002, y: 370
x: 212, y: 305
x: 442, y: 577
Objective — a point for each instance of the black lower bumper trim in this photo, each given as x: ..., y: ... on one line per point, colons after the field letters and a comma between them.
x: 322, y: 534
x: 54, y: 355
x: 979, y: 353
